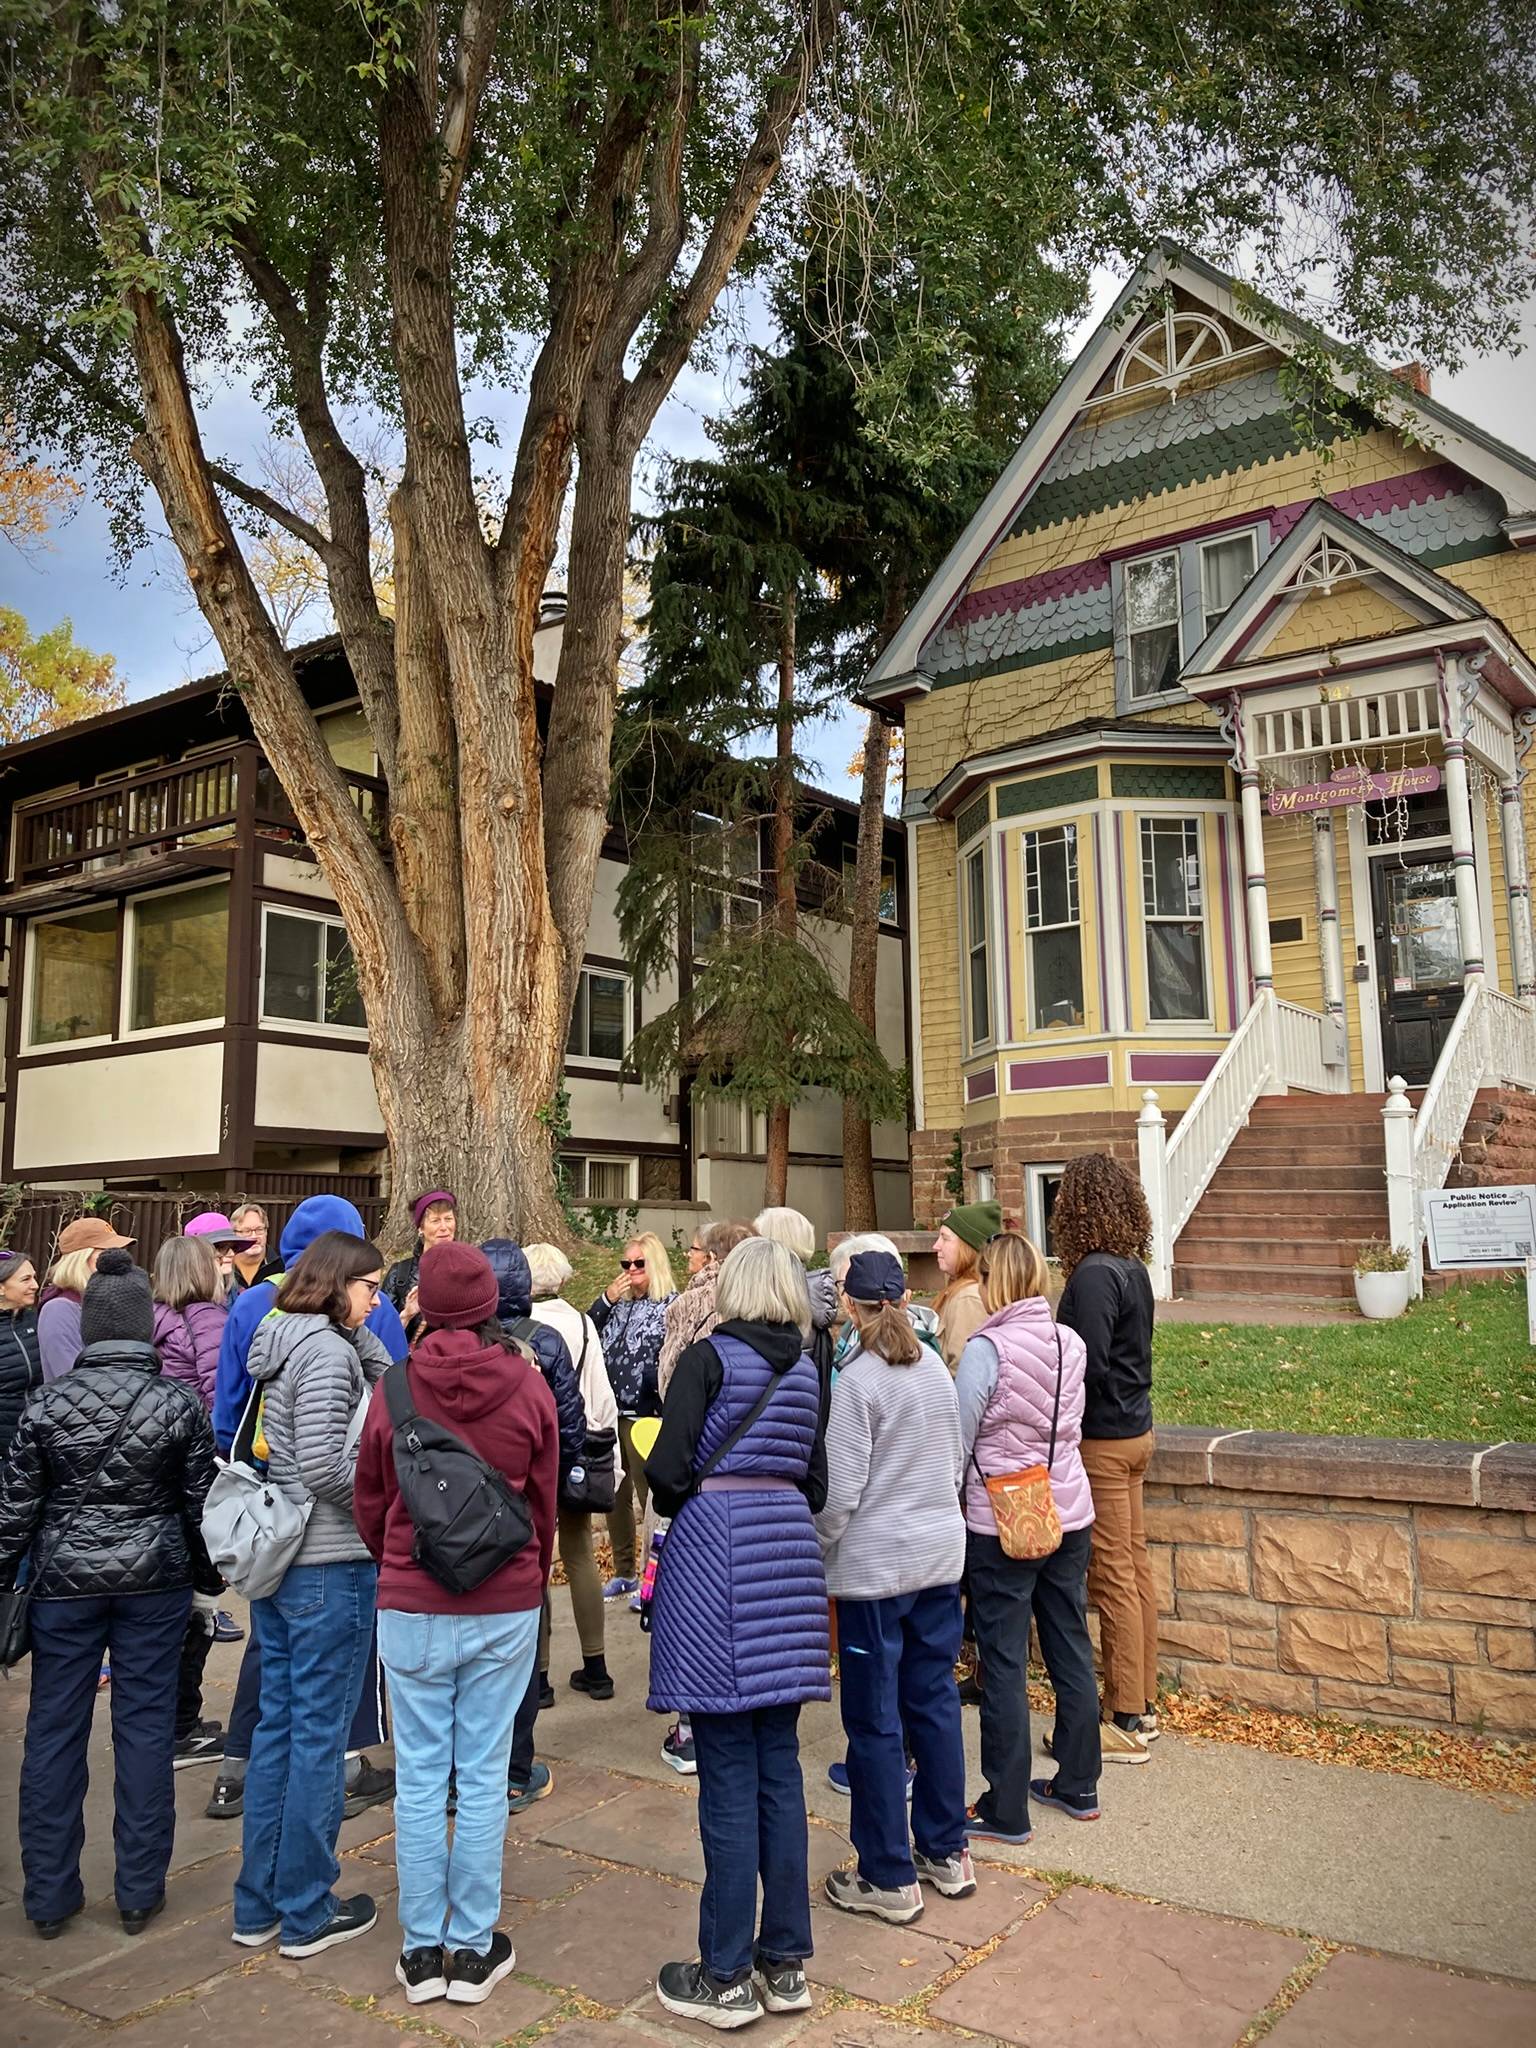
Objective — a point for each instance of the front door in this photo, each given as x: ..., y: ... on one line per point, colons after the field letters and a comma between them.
x: 1418, y: 960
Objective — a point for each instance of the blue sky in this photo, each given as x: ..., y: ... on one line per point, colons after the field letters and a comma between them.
x: 146, y: 618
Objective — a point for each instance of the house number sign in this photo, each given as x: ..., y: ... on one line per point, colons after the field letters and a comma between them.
x: 1354, y: 786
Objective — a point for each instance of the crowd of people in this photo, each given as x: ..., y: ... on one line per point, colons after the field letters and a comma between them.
x: 802, y: 1472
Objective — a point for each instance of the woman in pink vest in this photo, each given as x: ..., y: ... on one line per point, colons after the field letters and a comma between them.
x: 1020, y: 1388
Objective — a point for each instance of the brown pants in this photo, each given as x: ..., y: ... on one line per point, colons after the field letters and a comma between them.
x: 1120, y: 1572
x: 621, y: 1518
x: 573, y: 1534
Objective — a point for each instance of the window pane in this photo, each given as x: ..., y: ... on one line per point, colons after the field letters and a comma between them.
x: 1225, y: 566
x: 343, y: 999
x: 1154, y: 661
x: 1170, y: 867
x: 976, y: 899
x: 180, y: 948
x: 1152, y: 592
x: 981, y: 1008
x: 1175, y: 971
x: 290, y: 983
x: 1051, y: 876
x: 605, y: 1016
x: 607, y: 1180
x: 1056, y: 977
x: 576, y: 1037
x: 74, y: 977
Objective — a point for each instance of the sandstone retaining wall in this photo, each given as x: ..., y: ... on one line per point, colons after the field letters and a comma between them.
x: 1357, y: 1575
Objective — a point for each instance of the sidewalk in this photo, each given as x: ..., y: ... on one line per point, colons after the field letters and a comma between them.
x: 1236, y: 1880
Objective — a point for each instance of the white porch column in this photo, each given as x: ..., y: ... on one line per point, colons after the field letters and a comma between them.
x: 1459, y: 804
x: 1260, y: 962
x: 1326, y: 875
x: 1152, y: 1165
x: 1397, y: 1115
x: 1517, y: 880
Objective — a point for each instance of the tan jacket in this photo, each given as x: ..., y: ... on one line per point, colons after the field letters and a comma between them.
x: 959, y: 1320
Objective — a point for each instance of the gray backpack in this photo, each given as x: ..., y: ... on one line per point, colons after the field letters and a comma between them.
x: 251, y: 1527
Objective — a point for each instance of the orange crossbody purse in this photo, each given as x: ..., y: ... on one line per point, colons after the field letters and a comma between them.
x: 1023, y: 1503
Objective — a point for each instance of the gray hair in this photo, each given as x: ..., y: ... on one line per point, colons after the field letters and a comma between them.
x: 847, y: 1249
x: 763, y: 1282
x: 788, y: 1227
x: 549, y: 1267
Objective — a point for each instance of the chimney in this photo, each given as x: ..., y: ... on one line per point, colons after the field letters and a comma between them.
x: 1414, y: 375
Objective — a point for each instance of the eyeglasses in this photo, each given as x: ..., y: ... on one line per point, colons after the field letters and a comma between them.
x: 696, y: 1251
x: 633, y: 1265
x: 374, y: 1287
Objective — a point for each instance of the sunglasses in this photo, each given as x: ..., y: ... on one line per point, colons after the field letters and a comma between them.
x: 633, y: 1265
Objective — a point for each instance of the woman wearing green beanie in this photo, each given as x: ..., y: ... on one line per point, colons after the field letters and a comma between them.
x: 960, y: 1309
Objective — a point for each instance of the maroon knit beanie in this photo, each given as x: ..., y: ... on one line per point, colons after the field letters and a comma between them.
x: 455, y: 1287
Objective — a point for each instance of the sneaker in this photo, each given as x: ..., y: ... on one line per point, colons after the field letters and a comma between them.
x: 678, y: 1751
x: 226, y: 1629
x: 349, y: 1918
x: 204, y: 1745
x: 546, y: 1693
x: 472, y: 1978
x: 371, y: 1787
x: 227, y: 1799
x: 1120, y: 1746
x: 952, y: 1877
x: 837, y: 1778
x: 541, y: 1782
x: 617, y: 1589
x: 782, y: 1986
x: 1077, y: 1805
x: 979, y: 1829
x: 256, y: 1937
x: 684, y: 1988
x: 898, y: 1904
x: 420, y: 1970
x: 597, y: 1685
x: 1147, y: 1727
x: 636, y: 1604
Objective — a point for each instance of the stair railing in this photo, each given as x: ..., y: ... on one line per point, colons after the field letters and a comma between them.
x: 1277, y: 1046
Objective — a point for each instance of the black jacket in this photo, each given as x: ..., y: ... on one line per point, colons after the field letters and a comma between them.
x: 509, y: 1262
x: 401, y: 1278
x: 1108, y: 1301
x: 136, y: 1532
x: 20, y: 1368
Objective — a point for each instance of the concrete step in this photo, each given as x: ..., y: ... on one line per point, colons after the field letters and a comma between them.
x: 1261, y: 1252
x: 1279, y: 1282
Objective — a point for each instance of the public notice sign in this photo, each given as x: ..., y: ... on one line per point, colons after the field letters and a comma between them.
x: 1480, y: 1227
x: 1354, y: 786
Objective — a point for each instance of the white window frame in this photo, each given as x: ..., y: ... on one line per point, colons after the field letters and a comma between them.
x: 1035, y: 1178
x: 983, y: 1184
x: 1186, y: 819
x: 594, y: 1059
x: 29, y: 984
x: 1192, y: 626
x: 1224, y: 540
x: 631, y: 1165
x: 1133, y: 696
x: 1073, y: 842
x: 970, y: 945
x: 129, y: 942
x: 357, y: 1033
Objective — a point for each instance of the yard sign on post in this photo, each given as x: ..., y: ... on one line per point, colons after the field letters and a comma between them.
x: 1469, y: 1227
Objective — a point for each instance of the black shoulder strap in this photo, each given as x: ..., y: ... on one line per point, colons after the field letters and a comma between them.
x: 522, y: 1329
x: 775, y: 1380
x: 397, y: 1396
x: 1056, y: 1403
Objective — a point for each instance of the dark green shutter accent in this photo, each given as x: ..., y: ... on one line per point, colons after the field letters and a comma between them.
x: 1152, y: 779
x: 972, y: 818
x: 1046, y: 792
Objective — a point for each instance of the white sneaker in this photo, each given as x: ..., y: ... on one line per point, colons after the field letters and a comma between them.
x: 952, y: 1877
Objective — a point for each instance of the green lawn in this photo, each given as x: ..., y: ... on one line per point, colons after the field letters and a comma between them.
x: 1458, y: 1366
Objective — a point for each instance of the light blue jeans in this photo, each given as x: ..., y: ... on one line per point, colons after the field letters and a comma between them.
x: 455, y: 1681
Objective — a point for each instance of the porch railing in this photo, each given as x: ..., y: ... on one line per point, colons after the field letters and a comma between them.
x: 1492, y: 1043
x: 1278, y: 1046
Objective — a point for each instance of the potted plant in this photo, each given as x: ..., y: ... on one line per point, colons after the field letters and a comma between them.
x: 1381, y: 1279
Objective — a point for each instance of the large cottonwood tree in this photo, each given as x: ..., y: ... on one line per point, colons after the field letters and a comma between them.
x: 387, y: 206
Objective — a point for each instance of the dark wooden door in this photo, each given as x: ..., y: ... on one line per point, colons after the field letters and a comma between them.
x: 1418, y: 960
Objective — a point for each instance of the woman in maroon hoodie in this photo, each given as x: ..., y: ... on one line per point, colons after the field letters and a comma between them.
x: 458, y: 1663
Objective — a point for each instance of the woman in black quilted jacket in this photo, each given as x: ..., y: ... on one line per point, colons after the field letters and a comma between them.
x: 20, y: 1364
x: 102, y: 1493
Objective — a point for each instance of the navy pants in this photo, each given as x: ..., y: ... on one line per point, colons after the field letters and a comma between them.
x: 752, y: 1825
x: 369, y: 1723
x: 897, y: 1664
x: 143, y: 1633
x: 1004, y: 1592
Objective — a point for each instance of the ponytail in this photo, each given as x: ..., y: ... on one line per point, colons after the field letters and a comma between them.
x: 886, y: 1330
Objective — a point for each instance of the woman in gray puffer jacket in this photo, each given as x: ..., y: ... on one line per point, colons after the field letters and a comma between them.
x: 312, y: 1363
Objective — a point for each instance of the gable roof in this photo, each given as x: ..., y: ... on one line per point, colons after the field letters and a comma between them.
x: 1482, y: 455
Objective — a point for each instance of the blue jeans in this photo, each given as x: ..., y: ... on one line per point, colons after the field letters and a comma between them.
x: 752, y: 1824
x: 455, y: 1683
x: 897, y: 1660
x: 314, y: 1634
x: 144, y: 1633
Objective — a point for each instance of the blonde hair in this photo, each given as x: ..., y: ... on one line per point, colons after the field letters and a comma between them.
x: 1014, y: 1270
x: 72, y: 1271
x: 847, y: 1249
x: 186, y: 1271
x: 548, y: 1267
x: 719, y: 1240
x: 965, y: 1272
x: 658, y: 1267
x: 885, y: 1329
x: 763, y: 1282
x: 788, y: 1227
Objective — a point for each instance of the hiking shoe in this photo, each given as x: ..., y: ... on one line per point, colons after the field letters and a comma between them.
x: 597, y: 1685
x: 50, y: 1930
x: 684, y: 1988
x: 546, y: 1693
x: 969, y: 1690
x: 350, y: 1918
x: 616, y: 1589
x: 371, y: 1787
x: 952, y: 1877
x: 136, y: 1918
x: 227, y: 1799
x: 979, y: 1829
x: 420, y: 1970
x: 1078, y: 1805
x: 837, y: 1777
x: 678, y: 1751
x: 1120, y: 1746
x: 1147, y: 1727
x: 898, y: 1904
x: 257, y: 1937
x: 472, y: 1978
x: 226, y: 1629
x: 541, y: 1782
x: 203, y: 1745
x: 782, y: 1986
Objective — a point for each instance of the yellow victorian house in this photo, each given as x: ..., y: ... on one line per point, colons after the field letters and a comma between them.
x: 1219, y: 822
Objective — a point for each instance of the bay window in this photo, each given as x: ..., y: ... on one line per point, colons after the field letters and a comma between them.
x: 977, y: 948
x: 1053, y: 934
x: 1173, y: 919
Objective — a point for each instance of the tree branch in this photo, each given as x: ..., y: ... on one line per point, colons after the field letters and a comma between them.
x: 49, y: 349
x: 274, y: 509
x: 478, y: 29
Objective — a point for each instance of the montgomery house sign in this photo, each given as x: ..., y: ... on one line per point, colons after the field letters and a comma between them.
x: 1351, y: 785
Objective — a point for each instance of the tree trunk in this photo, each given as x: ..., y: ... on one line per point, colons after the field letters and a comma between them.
x: 859, y: 1211
x: 786, y: 910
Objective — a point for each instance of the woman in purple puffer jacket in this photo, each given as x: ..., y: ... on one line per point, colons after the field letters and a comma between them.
x: 190, y: 1312
x: 1020, y: 1389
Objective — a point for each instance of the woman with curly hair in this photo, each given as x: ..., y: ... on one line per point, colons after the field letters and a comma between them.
x: 1102, y: 1231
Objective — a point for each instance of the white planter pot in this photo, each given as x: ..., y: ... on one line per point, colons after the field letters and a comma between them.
x: 1381, y: 1295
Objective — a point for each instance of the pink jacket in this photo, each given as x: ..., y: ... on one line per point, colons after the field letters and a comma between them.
x: 188, y: 1341
x: 1015, y: 1427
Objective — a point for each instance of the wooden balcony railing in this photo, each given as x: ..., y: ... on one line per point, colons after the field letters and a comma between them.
x: 190, y: 803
